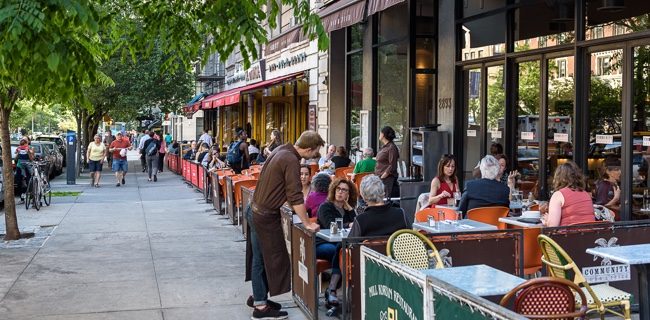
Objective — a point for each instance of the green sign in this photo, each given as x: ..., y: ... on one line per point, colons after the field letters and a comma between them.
x: 448, y: 308
x: 391, y: 296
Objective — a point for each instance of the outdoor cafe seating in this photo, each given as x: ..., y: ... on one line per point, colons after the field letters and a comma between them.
x: 547, y: 298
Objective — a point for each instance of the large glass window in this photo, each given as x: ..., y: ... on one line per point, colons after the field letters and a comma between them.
x: 474, y: 130
x: 355, y: 91
x: 496, y: 105
x: 613, y: 18
x: 528, y: 125
x: 641, y: 124
x: 392, y: 109
x: 392, y: 24
x: 540, y: 24
x: 606, y: 122
x: 484, y: 37
x: 559, y: 122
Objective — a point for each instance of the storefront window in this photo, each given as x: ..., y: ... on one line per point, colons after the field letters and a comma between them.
x: 392, y: 24
x: 392, y: 109
x: 641, y: 124
x: 559, y: 125
x: 355, y: 37
x: 424, y: 91
x: 609, y: 21
x: 540, y: 25
x: 484, y: 37
x: 496, y: 105
x: 528, y: 126
x: 355, y: 99
x: 231, y: 122
x: 424, y: 53
x: 474, y: 131
x: 425, y: 22
x: 606, y: 122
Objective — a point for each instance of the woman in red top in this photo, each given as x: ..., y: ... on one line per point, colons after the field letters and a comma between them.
x: 570, y: 204
x: 445, y: 184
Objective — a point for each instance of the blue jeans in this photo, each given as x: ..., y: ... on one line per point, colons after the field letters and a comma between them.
x: 258, y: 273
x: 329, y: 251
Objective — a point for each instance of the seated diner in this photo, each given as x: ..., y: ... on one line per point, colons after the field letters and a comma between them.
x: 570, y: 203
x: 379, y: 218
x: 486, y: 191
x: 320, y: 184
x: 445, y: 184
x: 341, y: 201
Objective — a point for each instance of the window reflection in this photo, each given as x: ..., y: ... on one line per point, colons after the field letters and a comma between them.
x: 528, y: 126
x: 472, y: 135
x: 496, y: 105
x: 484, y: 37
x: 392, y: 109
x: 640, y: 126
x: 605, y: 21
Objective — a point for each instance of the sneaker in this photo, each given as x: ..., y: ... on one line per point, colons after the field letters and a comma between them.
x: 268, y: 313
x: 155, y: 178
x: 118, y: 184
x: 123, y: 181
x: 271, y: 304
x: 330, y: 298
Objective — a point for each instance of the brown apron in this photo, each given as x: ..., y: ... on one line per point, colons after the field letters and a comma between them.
x: 274, y: 251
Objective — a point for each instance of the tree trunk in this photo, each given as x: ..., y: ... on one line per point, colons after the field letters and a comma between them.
x: 11, y: 222
x: 78, y: 147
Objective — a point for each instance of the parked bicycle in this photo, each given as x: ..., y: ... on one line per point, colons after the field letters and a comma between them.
x: 38, y: 187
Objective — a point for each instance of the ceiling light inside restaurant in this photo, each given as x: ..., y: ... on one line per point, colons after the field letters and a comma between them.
x: 612, y: 5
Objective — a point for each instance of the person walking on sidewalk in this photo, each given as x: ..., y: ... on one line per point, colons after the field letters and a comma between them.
x: 108, y: 139
x: 96, y: 152
x: 151, y: 147
x: 266, y: 252
x: 143, y: 139
x: 119, y: 148
x: 161, y: 153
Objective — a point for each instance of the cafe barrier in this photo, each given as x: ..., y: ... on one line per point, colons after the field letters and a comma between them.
x: 246, y: 199
x: 215, y: 192
x: 229, y: 201
x: 304, y: 279
x: 500, y: 249
x: 391, y: 290
x: 575, y: 240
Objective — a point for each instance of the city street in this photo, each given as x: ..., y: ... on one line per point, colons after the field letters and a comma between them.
x: 144, y: 250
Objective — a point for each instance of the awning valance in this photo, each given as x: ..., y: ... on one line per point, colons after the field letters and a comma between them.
x: 230, y: 97
x: 375, y: 6
x: 342, y: 14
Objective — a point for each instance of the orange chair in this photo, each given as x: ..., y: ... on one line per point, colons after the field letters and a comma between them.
x: 343, y: 172
x: 358, y: 177
x: 532, y: 251
x: 489, y: 215
x: 314, y: 168
x: 424, y: 214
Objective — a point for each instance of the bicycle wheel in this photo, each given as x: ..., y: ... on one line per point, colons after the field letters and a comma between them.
x: 28, y: 194
x: 47, y: 193
x: 37, y: 194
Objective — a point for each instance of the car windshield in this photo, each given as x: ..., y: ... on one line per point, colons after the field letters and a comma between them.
x: 50, y: 139
x: 37, y: 148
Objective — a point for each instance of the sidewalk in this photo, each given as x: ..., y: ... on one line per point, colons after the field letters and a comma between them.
x: 144, y: 250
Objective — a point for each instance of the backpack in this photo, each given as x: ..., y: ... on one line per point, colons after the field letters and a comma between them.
x: 151, y: 148
x: 234, y: 155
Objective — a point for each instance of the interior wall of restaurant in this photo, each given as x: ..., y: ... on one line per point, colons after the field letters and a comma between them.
x: 337, y: 114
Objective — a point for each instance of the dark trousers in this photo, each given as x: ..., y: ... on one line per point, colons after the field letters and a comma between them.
x: 161, y: 161
x: 391, y: 188
x: 258, y: 272
x: 143, y: 162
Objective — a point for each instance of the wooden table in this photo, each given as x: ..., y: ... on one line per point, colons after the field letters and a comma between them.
x: 465, y: 225
x: 480, y: 280
x: 638, y: 255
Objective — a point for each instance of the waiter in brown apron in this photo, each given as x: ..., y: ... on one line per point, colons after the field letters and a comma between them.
x: 279, y: 182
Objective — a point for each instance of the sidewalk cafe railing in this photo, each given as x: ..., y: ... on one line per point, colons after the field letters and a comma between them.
x: 391, y: 290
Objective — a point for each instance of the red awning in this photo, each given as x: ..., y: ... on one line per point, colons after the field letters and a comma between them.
x: 229, y: 97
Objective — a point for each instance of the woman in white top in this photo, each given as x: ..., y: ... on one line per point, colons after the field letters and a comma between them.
x: 95, y: 153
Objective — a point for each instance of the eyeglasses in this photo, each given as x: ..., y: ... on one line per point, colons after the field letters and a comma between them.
x: 342, y: 190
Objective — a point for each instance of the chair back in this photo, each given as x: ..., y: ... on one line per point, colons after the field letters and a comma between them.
x: 412, y: 249
x: 237, y: 185
x: 559, y: 264
x: 424, y: 214
x: 547, y: 298
x: 343, y: 172
x: 314, y: 168
x: 489, y: 215
x: 358, y: 177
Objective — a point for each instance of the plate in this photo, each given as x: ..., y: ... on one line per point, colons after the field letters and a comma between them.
x: 531, y: 214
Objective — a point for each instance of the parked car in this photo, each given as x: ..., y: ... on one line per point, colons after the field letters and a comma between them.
x: 60, y: 143
x: 57, y: 163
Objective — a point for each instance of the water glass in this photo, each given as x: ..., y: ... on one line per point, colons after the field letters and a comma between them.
x: 339, y: 223
x: 334, y: 228
x: 457, y: 196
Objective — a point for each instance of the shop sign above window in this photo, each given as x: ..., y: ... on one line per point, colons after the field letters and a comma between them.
x: 290, y: 61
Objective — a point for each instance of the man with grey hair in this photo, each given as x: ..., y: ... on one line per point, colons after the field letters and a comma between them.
x: 367, y: 164
x: 328, y: 156
x: 379, y: 219
x: 487, y: 191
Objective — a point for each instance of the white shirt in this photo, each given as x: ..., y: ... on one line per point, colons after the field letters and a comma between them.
x: 253, y: 149
x: 206, y: 138
x: 142, y: 141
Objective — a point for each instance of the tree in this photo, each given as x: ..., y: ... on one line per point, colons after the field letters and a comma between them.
x: 52, y: 50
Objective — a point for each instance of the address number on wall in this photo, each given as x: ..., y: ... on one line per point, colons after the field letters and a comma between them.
x: 444, y: 103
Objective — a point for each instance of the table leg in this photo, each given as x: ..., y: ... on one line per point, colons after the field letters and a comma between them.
x: 644, y: 303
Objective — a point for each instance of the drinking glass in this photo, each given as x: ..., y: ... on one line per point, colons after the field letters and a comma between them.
x: 339, y: 223
x: 457, y: 196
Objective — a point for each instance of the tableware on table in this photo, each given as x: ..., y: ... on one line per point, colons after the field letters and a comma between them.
x: 457, y: 196
x: 334, y: 228
x: 531, y: 214
x: 339, y: 223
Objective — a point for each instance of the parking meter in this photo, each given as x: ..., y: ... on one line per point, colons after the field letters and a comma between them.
x: 71, y: 149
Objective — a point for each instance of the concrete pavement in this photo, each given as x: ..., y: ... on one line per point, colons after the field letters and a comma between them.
x: 144, y: 250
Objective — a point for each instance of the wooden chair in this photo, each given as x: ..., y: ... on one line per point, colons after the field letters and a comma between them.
x: 600, y: 298
x: 489, y: 215
x: 547, y: 298
x: 424, y: 214
x: 413, y: 249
